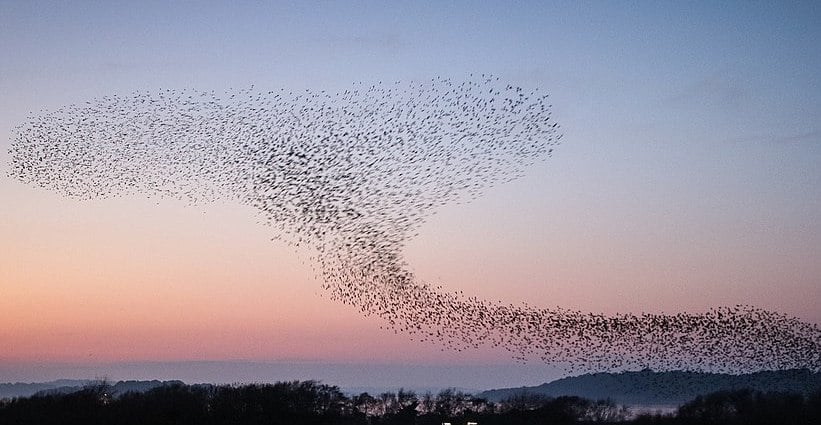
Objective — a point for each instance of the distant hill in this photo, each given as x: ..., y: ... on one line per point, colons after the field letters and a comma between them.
x: 22, y: 389
x: 419, y: 391
x: 650, y: 388
x: 123, y: 387
x: 66, y: 386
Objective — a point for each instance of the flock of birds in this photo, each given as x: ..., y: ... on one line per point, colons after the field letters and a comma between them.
x: 351, y: 176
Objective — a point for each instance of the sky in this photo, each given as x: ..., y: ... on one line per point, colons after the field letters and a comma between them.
x: 688, y: 178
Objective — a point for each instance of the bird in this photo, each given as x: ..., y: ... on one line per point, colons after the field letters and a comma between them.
x: 351, y: 176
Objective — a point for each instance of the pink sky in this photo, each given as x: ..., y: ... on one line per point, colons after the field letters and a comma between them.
x: 130, y: 279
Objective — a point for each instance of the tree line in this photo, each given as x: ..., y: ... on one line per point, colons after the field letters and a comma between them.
x: 310, y: 402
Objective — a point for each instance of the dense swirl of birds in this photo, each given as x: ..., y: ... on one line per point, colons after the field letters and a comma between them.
x: 352, y: 175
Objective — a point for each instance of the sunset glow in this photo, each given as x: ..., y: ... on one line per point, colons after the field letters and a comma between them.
x: 687, y: 179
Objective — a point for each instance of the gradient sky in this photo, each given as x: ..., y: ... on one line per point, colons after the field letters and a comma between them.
x: 689, y: 177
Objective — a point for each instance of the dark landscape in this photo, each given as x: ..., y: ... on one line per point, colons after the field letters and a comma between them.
x: 643, y: 397
x: 648, y: 388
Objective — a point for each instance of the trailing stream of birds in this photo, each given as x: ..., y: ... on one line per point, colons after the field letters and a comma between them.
x: 351, y: 176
